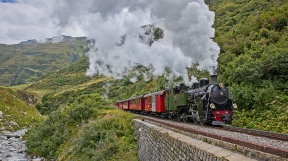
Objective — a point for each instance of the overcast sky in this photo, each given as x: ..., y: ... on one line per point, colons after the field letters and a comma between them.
x: 187, y: 26
x: 37, y: 19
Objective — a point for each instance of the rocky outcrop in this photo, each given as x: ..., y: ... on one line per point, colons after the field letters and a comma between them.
x: 12, y: 123
x: 11, y: 146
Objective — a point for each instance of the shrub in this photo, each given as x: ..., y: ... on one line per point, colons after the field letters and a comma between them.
x: 45, y: 138
x: 80, y: 113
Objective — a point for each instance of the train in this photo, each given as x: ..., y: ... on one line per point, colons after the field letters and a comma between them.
x: 205, y: 102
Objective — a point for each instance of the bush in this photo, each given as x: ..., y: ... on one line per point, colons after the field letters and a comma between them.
x: 45, y: 138
x: 253, y: 97
x: 107, y: 138
x: 81, y: 128
x: 80, y: 113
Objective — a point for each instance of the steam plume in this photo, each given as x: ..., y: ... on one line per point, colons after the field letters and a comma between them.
x: 187, y: 27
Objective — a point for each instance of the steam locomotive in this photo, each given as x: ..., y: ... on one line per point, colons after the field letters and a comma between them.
x: 204, y: 103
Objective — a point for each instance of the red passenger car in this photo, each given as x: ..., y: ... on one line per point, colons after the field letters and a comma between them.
x: 126, y: 105
x: 154, y: 102
x: 118, y: 105
x: 137, y: 104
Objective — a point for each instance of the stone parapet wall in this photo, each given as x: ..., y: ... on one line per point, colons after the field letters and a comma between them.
x: 158, y: 143
x: 226, y: 143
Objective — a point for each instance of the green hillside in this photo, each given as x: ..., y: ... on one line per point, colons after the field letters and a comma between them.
x: 17, y: 109
x: 25, y: 63
x: 253, y: 36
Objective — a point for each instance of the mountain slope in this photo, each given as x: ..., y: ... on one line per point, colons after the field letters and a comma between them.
x: 27, y: 61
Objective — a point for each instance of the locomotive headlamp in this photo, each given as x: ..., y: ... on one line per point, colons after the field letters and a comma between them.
x: 234, y: 105
x: 212, y: 106
x: 221, y: 85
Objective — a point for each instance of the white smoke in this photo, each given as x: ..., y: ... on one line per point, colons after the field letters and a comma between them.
x: 188, y: 34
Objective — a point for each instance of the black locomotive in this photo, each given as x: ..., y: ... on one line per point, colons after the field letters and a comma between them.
x: 209, y: 103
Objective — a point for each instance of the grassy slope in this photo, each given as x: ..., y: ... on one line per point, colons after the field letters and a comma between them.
x: 13, y: 104
x: 110, y: 136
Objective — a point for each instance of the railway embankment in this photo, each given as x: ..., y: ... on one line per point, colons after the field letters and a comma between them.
x: 164, y: 141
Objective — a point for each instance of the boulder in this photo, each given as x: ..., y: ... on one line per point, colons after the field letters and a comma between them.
x: 12, y: 123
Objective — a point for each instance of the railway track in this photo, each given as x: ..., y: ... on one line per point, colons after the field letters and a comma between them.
x: 262, y: 141
x: 271, y: 135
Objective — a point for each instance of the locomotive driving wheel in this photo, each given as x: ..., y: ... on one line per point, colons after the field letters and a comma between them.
x: 197, y: 119
x: 184, y: 117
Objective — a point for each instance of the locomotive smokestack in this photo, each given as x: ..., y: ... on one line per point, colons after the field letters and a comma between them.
x: 213, y: 78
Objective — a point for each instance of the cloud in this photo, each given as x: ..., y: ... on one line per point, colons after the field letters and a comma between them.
x: 22, y: 21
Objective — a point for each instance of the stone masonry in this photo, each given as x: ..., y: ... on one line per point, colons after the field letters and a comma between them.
x: 159, y: 144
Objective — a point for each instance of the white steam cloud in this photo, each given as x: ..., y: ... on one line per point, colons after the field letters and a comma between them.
x: 188, y: 33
